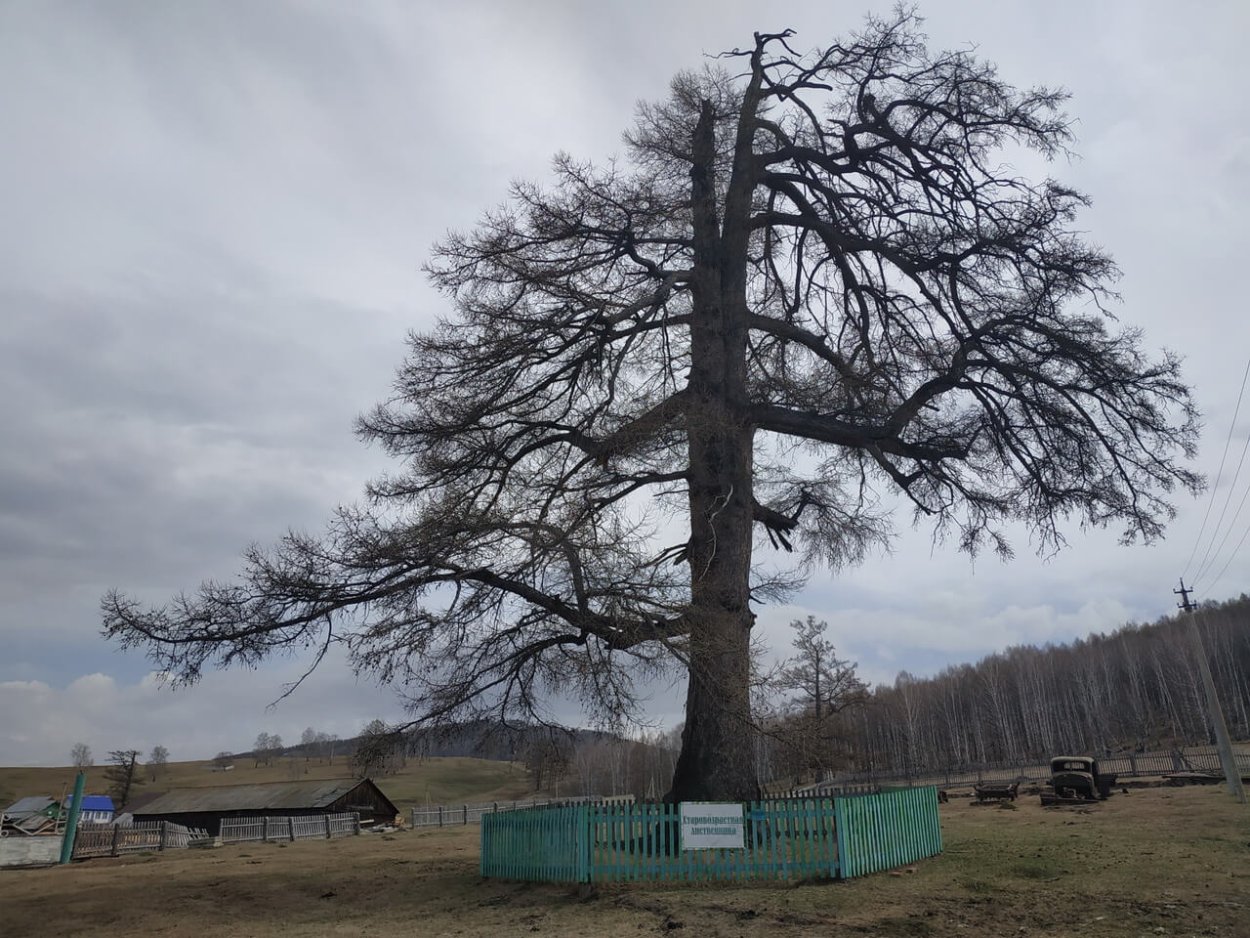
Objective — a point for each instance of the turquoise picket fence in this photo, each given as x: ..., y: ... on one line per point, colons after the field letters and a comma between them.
x: 782, y: 839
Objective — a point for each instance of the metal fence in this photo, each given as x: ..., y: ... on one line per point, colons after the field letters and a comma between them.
x: 1200, y: 759
x: 324, y: 826
x: 111, y: 840
x: 448, y: 815
x: 780, y: 839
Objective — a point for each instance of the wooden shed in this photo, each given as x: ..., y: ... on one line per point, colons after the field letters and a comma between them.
x: 204, y: 808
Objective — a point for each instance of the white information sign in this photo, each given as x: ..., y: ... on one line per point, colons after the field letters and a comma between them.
x: 708, y: 825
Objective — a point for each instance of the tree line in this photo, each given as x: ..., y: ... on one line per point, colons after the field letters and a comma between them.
x: 1135, y: 689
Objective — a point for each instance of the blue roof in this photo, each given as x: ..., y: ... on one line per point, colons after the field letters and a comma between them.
x: 97, y: 803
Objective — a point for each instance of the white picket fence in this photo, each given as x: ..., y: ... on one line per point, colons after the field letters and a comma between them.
x: 324, y: 826
x: 111, y: 840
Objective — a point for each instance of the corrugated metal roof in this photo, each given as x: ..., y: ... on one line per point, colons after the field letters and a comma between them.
x: 274, y: 795
x: 29, y: 805
x: 97, y: 803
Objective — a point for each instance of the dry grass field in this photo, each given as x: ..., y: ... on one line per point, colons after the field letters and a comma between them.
x: 1153, y: 862
x: 425, y: 781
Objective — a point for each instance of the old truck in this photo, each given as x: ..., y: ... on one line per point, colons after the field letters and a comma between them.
x: 1076, y: 780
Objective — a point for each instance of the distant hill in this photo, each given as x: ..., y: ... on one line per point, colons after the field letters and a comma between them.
x: 478, y: 740
x: 435, y: 780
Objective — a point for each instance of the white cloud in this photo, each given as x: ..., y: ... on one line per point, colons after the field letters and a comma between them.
x: 225, y: 711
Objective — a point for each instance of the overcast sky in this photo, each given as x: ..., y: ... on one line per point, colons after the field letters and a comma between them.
x: 212, y: 221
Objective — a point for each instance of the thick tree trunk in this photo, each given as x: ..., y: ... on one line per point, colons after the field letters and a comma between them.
x: 717, y: 755
x: 716, y: 761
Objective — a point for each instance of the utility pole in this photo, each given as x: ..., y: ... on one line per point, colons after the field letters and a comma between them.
x: 1232, y: 774
x: 1184, y: 595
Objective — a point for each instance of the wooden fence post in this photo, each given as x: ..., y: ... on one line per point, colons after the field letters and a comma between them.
x: 327, y: 827
x: 264, y: 831
x: 356, y: 816
x: 164, y: 827
x: 116, y: 834
x: 440, y: 815
x: 290, y: 823
x: 465, y: 808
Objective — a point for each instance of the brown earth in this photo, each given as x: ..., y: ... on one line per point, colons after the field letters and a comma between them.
x: 1152, y: 862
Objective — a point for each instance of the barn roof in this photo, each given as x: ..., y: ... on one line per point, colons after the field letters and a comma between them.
x: 272, y: 795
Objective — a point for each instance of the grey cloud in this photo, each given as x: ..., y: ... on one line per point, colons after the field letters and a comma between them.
x: 214, y: 218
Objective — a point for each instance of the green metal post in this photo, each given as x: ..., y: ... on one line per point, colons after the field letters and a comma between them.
x: 71, y: 823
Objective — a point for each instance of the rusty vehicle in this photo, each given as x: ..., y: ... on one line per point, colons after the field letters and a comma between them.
x: 1005, y: 791
x: 1076, y: 780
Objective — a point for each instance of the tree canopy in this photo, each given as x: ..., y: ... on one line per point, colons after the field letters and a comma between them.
x: 810, y: 287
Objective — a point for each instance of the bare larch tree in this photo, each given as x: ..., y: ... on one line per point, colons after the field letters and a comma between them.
x: 825, y: 684
x: 808, y: 726
x: 123, y: 775
x: 809, y: 291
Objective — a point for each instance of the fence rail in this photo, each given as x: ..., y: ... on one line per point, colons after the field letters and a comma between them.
x: 1126, y: 765
x: 111, y: 840
x: 447, y: 815
x: 782, y: 839
x: 324, y: 826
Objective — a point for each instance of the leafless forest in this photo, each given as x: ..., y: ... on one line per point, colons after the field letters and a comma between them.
x: 1137, y: 688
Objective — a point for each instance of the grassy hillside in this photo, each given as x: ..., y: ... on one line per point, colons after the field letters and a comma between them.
x: 432, y: 781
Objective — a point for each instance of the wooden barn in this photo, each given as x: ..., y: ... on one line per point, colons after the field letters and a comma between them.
x: 204, y: 808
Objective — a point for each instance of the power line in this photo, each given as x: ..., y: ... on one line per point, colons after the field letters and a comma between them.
x: 1204, y: 567
x: 1244, y: 535
x: 1218, y: 473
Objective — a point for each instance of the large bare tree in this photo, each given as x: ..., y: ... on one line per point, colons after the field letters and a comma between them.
x: 809, y: 289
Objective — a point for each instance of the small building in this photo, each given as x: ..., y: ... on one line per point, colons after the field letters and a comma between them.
x: 35, y: 814
x: 96, y: 809
x: 31, y: 805
x: 204, y: 808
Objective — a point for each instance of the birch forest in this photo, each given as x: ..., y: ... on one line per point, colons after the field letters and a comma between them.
x: 1136, y: 689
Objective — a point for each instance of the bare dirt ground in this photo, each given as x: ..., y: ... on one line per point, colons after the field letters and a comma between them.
x: 1151, y: 862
